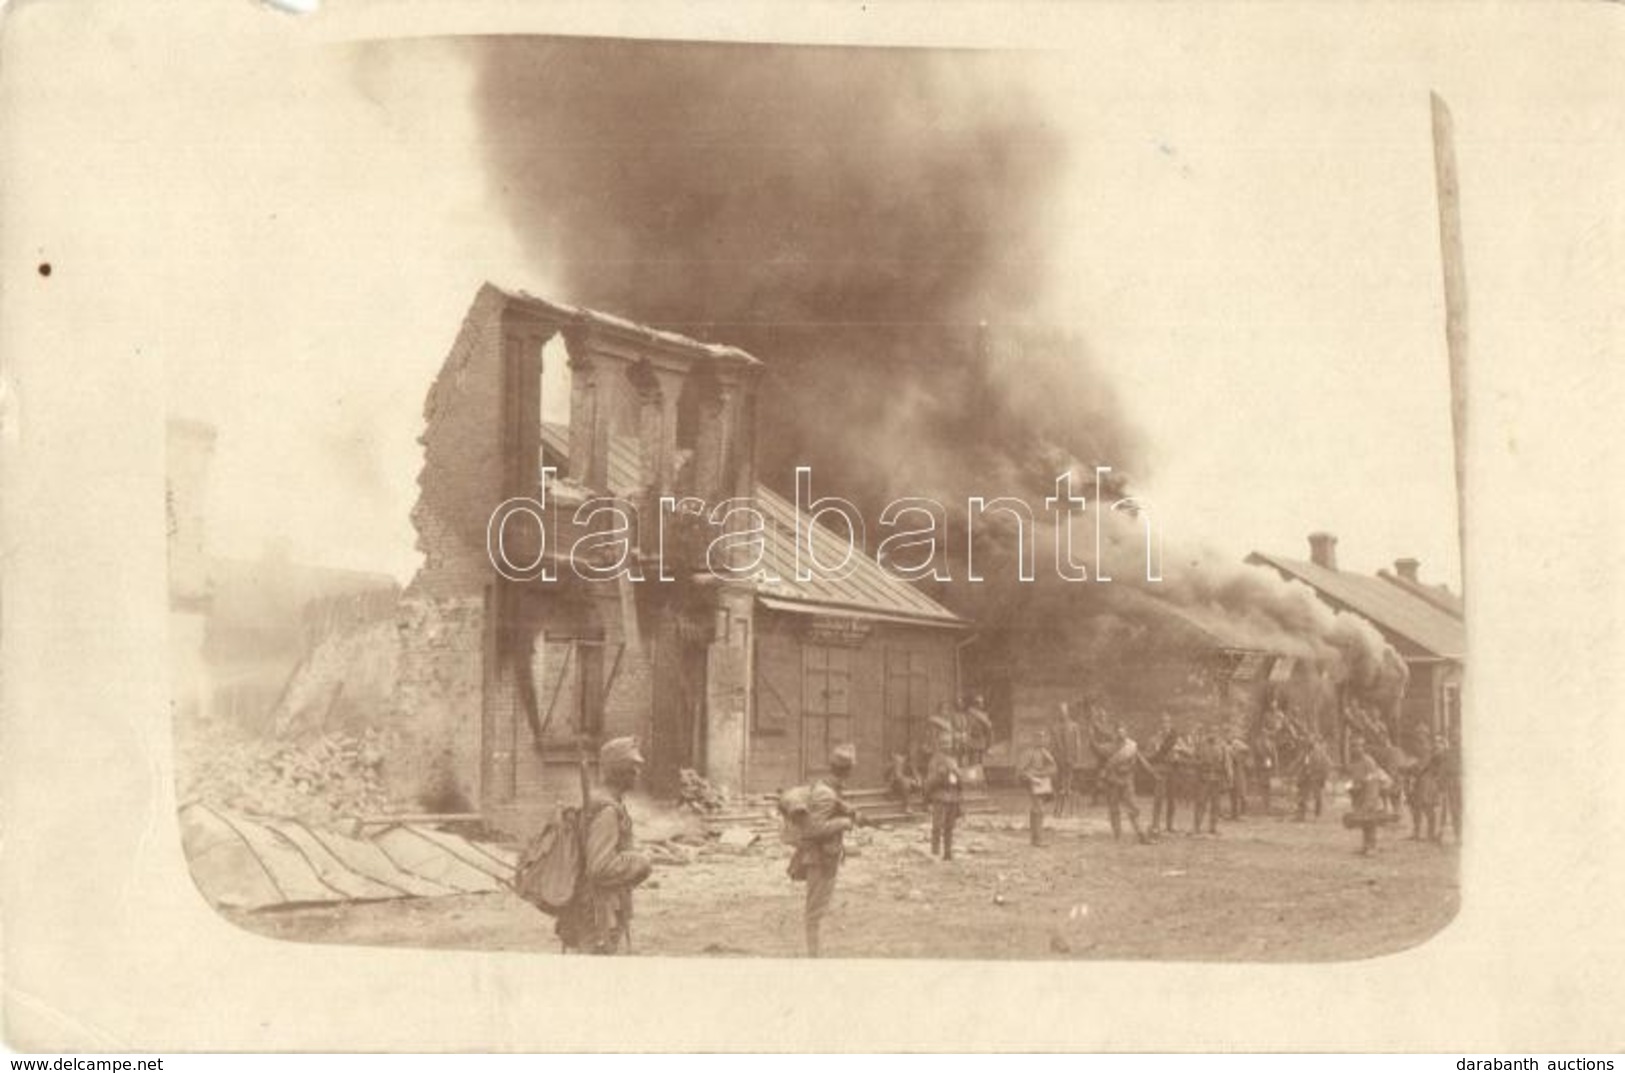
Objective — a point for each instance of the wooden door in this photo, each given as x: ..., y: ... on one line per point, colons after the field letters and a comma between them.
x: 826, y: 704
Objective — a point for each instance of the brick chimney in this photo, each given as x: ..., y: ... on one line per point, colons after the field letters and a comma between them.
x: 1407, y: 568
x: 1323, y: 550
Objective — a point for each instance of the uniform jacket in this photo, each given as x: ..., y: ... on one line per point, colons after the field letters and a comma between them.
x: 823, y: 832
x: 611, y: 869
x: 1117, y: 763
x: 1069, y: 747
x: 943, y: 779
x: 1037, y: 763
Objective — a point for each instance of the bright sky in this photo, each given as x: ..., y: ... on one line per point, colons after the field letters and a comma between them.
x: 1252, y: 245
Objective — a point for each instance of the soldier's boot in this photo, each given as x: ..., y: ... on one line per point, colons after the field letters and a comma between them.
x: 1117, y: 825
x: 948, y: 844
x: 812, y: 938
x: 1035, y: 826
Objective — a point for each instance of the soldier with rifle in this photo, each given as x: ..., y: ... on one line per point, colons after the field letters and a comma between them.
x: 598, y: 919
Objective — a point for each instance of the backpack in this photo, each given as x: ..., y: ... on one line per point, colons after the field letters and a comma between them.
x: 793, y: 806
x: 551, y: 866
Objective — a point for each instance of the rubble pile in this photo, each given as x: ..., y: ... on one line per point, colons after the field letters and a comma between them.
x: 322, y: 778
x: 695, y: 791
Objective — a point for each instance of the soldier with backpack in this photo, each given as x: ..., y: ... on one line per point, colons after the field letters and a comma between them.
x: 597, y: 920
x: 816, y: 820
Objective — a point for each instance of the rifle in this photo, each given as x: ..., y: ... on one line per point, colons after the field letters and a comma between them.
x: 586, y: 777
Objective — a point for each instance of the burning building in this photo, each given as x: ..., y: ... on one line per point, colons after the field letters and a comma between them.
x: 1141, y: 656
x: 747, y: 675
x: 1424, y: 624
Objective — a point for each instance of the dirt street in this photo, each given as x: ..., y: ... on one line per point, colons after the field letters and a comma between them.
x: 1264, y: 889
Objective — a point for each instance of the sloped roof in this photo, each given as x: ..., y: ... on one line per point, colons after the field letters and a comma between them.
x: 1389, y: 607
x: 1437, y: 595
x: 867, y: 590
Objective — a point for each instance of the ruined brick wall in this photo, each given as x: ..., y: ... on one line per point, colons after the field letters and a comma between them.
x: 434, y: 755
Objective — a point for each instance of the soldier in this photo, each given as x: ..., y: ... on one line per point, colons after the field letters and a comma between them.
x: 1240, y: 761
x: 1213, y: 774
x: 902, y: 780
x: 1097, y: 720
x: 599, y: 919
x: 1267, y: 750
x: 951, y: 721
x: 1038, y: 770
x: 1368, y: 786
x: 1423, y: 794
x: 942, y: 791
x: 1066, y: 749
x: 1163, y: 750
x: 1397, y: 764
x: 979, y: 730
x: 821, y: 847
x: 1313, y: 769
x: 1119, y: 760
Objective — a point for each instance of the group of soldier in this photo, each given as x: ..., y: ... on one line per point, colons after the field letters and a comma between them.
x: 1205, y: 766
x: 1217, y: 772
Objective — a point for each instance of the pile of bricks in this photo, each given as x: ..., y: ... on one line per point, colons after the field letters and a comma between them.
x: 320, y: 779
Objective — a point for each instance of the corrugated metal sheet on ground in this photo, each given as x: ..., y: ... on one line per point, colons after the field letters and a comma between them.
x: 410, y: 849
x: 494, y: 861
x: 243, y: 862
x: 363, y: 857
x: 329, y: 868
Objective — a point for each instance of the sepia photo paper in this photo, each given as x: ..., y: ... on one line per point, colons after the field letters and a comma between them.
x: 811, y: 527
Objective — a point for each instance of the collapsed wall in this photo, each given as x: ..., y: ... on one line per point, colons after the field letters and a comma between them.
x: 435, y: 709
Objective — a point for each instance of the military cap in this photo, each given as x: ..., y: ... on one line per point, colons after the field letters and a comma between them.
x: 843, y: 756
x: 619, y: 752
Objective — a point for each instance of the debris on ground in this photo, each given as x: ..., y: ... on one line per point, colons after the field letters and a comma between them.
x: 696, y: 792
x: 317, y: 779
x: 674, y: 853
x: 737, y: 838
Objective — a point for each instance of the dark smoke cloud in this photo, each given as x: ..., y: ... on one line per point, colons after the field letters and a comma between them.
x: 852, y: 216
x: 874, y: 225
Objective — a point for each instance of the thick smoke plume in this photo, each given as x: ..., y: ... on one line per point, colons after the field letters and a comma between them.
x: 851, y: 216
x: 874, y: 224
